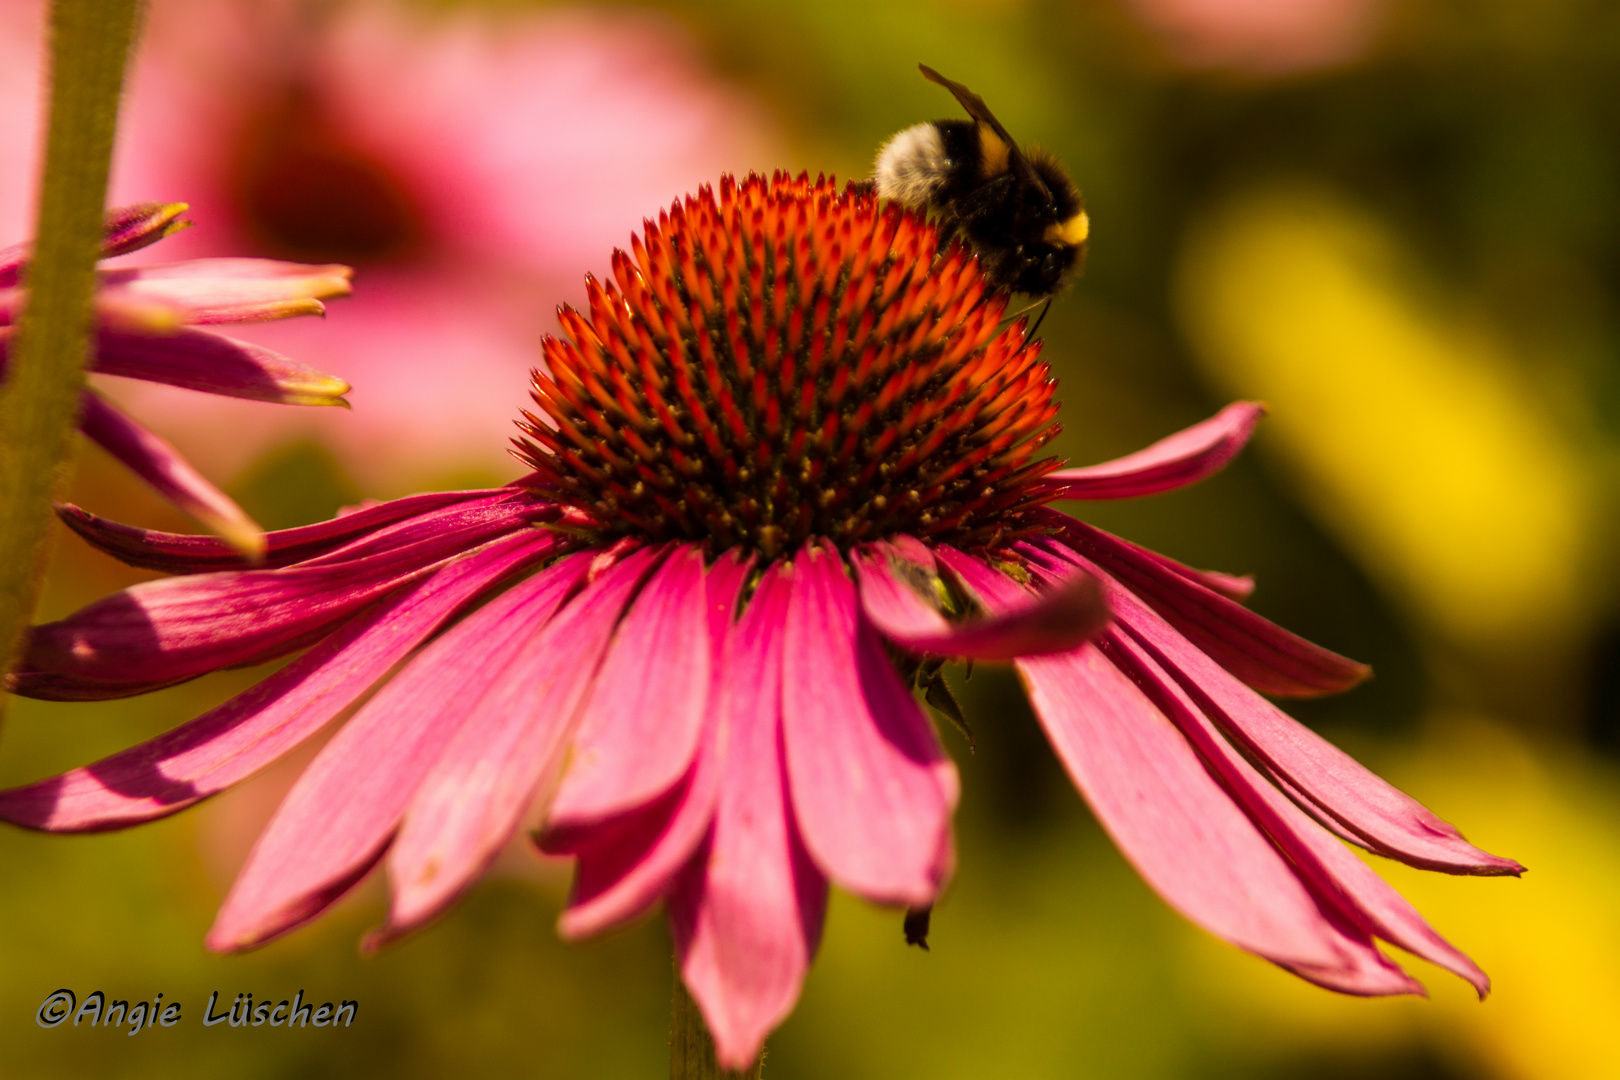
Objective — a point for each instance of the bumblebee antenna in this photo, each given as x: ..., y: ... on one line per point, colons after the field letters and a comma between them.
x: 976, y: 108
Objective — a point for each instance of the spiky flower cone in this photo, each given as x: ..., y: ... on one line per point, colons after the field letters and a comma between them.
x: 789, y: 360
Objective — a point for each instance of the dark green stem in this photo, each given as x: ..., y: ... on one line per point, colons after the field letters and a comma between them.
x: 39, y: 403
x: 691, y: 1047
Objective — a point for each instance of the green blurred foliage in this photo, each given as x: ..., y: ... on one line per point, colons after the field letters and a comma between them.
x: 1477, y: 146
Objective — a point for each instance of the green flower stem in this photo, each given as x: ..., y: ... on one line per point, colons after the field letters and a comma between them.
x: 691, y: 1048
x: 90, y: 42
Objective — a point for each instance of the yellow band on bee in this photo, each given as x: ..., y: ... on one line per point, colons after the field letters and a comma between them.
x: 994, y: 152
x: 1072, y: 233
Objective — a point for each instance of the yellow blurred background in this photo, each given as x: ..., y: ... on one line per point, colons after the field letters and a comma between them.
x: 1397, y: 222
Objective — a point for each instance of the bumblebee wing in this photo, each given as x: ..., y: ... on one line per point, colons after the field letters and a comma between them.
x: 976, y: 108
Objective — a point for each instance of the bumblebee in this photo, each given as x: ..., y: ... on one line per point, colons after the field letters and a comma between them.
x: 1017, y: 209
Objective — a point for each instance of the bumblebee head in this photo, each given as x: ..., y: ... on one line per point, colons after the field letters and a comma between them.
x: 1040, y: 268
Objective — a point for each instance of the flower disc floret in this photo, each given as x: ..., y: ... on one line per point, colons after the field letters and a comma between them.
x: 786, y: 360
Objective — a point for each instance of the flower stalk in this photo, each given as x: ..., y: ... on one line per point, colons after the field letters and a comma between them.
x: 90, y: 43
x: 691, y: 1047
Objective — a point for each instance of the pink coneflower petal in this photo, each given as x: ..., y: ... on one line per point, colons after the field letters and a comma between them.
x: 747, y: 912
x: 125, y: 229
x: 214, y: 364
x: 493, y: 512
x: 170, y: 475
x: 1235, y: 587
x: 624, y: 868
x: 488, y: 774
x: 628, y: 865
x: 112, y: 312
x: 1329, y: 869
x: 1261, y: 653
x: 1383, y: 818
x: 227, y: 744
x: 334, y: 824
x: 872, y: 789
x: 162, y: 632
x: 1364, y: 971
x: 639, y: 728
x: 1059, y: 619
x: 1184, y: 458
x: 1150, y: 791
x: 188, y: 553
x: 210, y: 291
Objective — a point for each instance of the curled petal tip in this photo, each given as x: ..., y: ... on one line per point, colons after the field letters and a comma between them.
x: 217, y: 942
x: 245, y: 536
x: 376, y: 939
x: 231, y: 524
x: 162, y: 466
x: 130, y: 228
x: 269, y: 311
x: 317, y: 389
x: 1188, y: 456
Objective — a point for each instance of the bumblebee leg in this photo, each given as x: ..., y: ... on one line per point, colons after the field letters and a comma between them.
x: 1040, y: 318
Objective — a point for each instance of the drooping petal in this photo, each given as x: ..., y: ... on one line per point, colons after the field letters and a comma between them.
x: 170, y: 474
x: 639, y: 727
x: 625, y: 866
x: 1148, y: 788
x: 1184, y: 458
x: 1057, y: 620
x: 872, y: 789
x: 227, y: 744
x: 335, y: 822
x: 210, y: 291
x: 1261, y: 653
x: 747, y: 912
x: 1383, y: 818
x: 162, y: 632
x: 489, y: 773
x: 1332, y: 872
x: 215, y: 364
x: 185, y: 553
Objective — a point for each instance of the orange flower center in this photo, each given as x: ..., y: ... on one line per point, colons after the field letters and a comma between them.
x: 790, y: 360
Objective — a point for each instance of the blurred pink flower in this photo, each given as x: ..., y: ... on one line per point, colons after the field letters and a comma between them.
x: 143, y: 320
x: 787, y: 463
x: 1264, y: 37
x: 467, y: 163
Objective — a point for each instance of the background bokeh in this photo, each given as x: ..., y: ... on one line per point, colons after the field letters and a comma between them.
x: 1396, y: 222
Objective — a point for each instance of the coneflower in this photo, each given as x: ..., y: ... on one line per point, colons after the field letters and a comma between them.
x: 784, y: 464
